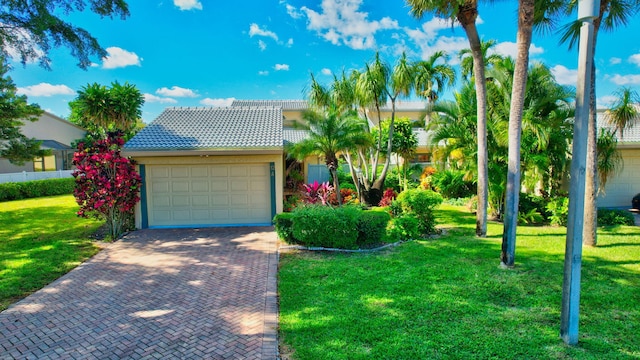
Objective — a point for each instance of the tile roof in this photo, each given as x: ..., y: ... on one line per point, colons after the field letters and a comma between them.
x: 284, y: 104
x: 630, y: 135
x: 293, y: 136
x: 288, y: 105
x: 211, y: 129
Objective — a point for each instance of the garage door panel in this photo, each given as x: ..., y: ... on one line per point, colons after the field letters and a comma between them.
x: 200, y: 186
x: 200, y: 171
x: 198, y: 195
x: 180, y: 186
x: 220, y: 200
x: 219, y: 185
x: 239, y: 170
x: 179, y: 171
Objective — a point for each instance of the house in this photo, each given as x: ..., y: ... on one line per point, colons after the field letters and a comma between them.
x: 57, y: 135
x: 210, y: 167
x: 626, y: 183
x: 219, y: 166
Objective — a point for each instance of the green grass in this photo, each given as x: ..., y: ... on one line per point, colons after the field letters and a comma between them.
x: 448, y: 299
x: 40, y: 240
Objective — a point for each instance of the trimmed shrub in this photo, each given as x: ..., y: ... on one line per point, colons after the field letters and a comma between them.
x: 612, y: 217
x: 372, y: 226
x: 404, y: 227
x: 36, y: 188
x: 283, y: 224
x: 420, y: 204
x: 326, y: 226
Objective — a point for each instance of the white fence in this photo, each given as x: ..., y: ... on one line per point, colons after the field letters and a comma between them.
x: 28, y: 176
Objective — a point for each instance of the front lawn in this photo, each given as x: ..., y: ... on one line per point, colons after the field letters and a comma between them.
x: 447, y: 298
x: 40, y: 240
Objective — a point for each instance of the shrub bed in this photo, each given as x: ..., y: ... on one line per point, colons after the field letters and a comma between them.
x: 612, y: 217
x: 345, y: 227
x: 36, y: 188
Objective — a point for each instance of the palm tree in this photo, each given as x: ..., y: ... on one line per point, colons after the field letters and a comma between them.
x: 330, y: 133
x: 466, y: 58
x: 100, y: 108
x: 609, y: 158
x: 612, y: 14
x: 433, y: 75
x: 624, y: 112
x: 466, y: 13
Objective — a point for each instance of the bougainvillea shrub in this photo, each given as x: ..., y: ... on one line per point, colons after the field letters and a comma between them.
x: 107, y: 184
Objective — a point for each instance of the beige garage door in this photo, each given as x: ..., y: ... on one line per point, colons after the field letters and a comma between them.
x: 205, y: 195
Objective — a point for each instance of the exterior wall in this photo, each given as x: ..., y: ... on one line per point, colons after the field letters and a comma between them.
x: 51, y: 127
x: 48, y: 127
x: 217, y: 159
x: 625, y: 185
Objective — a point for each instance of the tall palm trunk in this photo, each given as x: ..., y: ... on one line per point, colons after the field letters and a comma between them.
x: 526, y: 11
x: 467, y: 17
x: 590, y: 226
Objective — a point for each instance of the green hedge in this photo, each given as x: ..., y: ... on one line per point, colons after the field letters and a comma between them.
x: 612, y: 217
x: 36, y: 188
x: 345, y: 227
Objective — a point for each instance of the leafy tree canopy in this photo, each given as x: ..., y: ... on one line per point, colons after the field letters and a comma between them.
x: 29, y: 29
x: 14, y: 110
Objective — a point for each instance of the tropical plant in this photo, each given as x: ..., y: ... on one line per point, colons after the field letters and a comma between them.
x: 388, y: 197
x: 420, y: 204
x: 317, y: 192
x: 101, y: 109
x: 330, y: 133
x: 609, y: 158
x: 404, y: 145
x: 466, y: 13
x: 107, y: 184
x: 624, y: 112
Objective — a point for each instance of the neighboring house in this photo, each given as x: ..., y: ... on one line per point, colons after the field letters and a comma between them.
x: 626, y: 183
x: 210, y: 167
x: 56, y: 134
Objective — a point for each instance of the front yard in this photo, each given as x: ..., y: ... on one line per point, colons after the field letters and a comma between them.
x: 447, y: 298
x: 40, y: 240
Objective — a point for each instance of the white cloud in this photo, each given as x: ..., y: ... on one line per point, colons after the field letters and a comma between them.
x: 293, y: 12
x: 262, y: 45
x: 290, y: 42
x: 565, y: 76
x: 150, y: 98
x: 221, y: 102
x: 635, y: 59
x: 283, y: 67
x: 176, y: 91
x: 46, y: 90
x: 509, y: 48
x: 118, y: 58
x: 429, y: 42
x: 263, y: 73
x: 615, y: 61
x: 624, y: 79
x: 606, y: 101
x: 326, y: 71
x: 341, y: 23
x: 255, y: 30
x: 188, y: 4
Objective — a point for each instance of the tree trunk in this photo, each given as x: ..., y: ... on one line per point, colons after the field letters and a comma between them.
x: 481, y: 117
x: 525, y: 26
x: 590, y: 226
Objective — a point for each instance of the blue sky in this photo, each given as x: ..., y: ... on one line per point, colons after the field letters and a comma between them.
x: 206, y: 53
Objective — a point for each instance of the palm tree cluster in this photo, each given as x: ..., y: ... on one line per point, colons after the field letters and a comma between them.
x: 353, y: 104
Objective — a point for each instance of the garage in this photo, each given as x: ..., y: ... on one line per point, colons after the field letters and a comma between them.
x: 206, y: 195
x: 203, y: 167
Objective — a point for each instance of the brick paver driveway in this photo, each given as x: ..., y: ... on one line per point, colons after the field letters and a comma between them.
x: 165, y: 294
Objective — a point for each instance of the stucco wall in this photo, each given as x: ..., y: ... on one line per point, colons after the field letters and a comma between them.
x: 626, y: 184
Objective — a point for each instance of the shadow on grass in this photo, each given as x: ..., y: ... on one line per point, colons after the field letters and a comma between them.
x: 447, y: 298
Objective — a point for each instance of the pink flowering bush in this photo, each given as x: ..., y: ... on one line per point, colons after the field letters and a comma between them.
x: 107, y: 184
x: 316, y: 192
